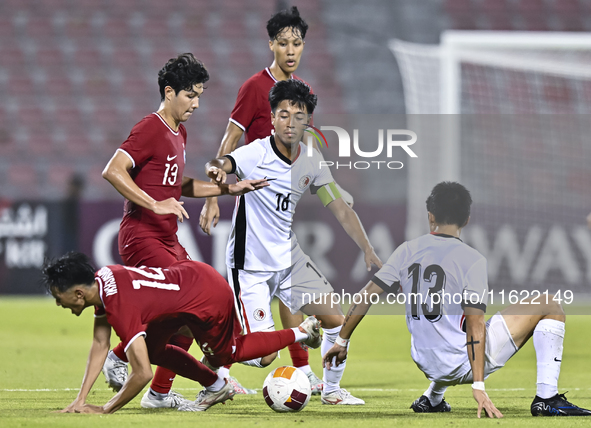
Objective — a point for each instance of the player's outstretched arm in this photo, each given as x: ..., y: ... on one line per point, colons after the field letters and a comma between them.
x: 96, y: 359
x: 210, y: 213
x: 141, y: 374
x: 199, y: 189
x: 338, y: 353
x: 476, y: 345
x: 589, y: 220
x: 117, y: 173
x: 352, y: 225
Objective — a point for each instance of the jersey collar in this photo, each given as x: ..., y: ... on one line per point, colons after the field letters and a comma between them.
x: 167, y: 125
x: 270, y: 74
x: 445, y: 235
x: 279, y: 154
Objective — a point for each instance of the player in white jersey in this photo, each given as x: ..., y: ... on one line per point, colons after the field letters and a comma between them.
x: 264, y: 258
x: 444, y: 283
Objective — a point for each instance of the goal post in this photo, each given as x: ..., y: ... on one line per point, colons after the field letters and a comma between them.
x: 506, y: 114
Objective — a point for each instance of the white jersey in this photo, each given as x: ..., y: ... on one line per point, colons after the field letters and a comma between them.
x: 446, y: 275
x: 261, y: 238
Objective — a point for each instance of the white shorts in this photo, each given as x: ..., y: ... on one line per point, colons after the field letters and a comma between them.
x: 295, y: 287
x: 500, y: 347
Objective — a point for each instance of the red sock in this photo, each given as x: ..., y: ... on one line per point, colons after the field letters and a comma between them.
x: 120, y: 352
x: 179, y: 361
x: 163, y: 378
x: 299, y: 355
x: 255, y: 345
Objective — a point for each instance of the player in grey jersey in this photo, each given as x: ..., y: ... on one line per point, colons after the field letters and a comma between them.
x: 450, y: 342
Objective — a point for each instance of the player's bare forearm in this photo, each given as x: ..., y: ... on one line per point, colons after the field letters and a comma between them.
x: 117, y: 173
x: 352, y: 225
x: 141, y: 374
x: 230, y: 139
x: 357, y: 311
x: 96, y: 359
x: 218, y: 163
x: 194, y: 188
x: 338, y: 352
x: 228, y: 145
x: 476, y: 341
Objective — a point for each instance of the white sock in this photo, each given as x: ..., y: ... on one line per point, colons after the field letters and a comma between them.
x: 548, y: 339
x: 332, y: 377
x: 306, y: 369
x: 217, y: 385
x: 299, y: 336
x: 435, y: 393
x: 223, y: 372
x: 253, y: 363
x: 114, y: 357
x: 157, y: 395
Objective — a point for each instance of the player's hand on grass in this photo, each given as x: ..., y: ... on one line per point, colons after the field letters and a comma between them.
x: 170, y: 206
x: 74, y: 407
x: 210, y: 213
x: 91, y: 409
x: 485, y: 403
x: 246, y: 186
x: 338, y: 353
x: 217, y: 174
x: 371, y: 258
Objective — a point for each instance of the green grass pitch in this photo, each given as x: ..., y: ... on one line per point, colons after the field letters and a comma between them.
x: 43, y: 352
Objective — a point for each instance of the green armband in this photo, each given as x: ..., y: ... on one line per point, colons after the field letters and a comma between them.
x: 328, y: 193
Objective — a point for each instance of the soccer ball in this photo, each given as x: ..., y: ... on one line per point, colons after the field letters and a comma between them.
x: 287, y: 389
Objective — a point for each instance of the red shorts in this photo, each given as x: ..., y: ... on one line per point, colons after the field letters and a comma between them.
x: 214, y: 323
x: 153, y: 253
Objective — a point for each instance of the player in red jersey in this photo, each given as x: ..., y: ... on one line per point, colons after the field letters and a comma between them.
x: 251, y: 116
x: 148, y: 171
x: 145, y: 307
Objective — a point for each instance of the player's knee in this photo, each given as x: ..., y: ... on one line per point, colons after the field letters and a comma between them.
x: 331, y: 321
x: 265, y: 361
x: 554, y: 310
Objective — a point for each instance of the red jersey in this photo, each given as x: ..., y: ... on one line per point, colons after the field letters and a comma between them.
x: 133, y: 297
x: 158, y: 156
x: 252, y: 112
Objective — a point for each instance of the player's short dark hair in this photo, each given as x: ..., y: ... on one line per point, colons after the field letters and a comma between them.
x: 449, y: 202
x: 297, y: 92
x: 182, y: 73
x: 70, y: 269
x: 286, y: 19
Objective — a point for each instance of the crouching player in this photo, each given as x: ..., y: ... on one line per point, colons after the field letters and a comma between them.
x: 450, y: 342
x: 145, y: 307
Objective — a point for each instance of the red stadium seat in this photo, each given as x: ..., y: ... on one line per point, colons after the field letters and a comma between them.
x: 12, y: 58
x: 59, y: 175
x: 78, y: 28
x: 118, y: 29
x: 23, y: 179
x: 51, y: 60
x: 40, y: 29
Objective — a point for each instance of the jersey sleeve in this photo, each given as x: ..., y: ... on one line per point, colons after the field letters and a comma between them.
x: 388, y: 277
x: 127, y: 324
x: 245, y: 159
x: 99, y: 312
x: 323, y: 175
x: 246, y: 106
x: 475, y: 287
x: 139, y: 145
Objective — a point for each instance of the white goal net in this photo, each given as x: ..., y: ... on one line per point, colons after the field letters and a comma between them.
x: 508, y: 115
